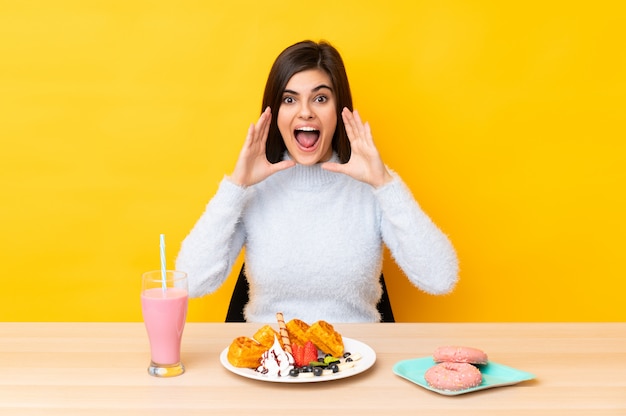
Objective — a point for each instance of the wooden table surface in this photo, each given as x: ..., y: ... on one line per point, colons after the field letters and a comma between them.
x: 100, y: 369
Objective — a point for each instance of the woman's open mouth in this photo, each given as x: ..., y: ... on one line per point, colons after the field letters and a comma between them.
x: 307, y: 137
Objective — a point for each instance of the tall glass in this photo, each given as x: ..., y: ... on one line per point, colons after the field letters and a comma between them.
x: 164, y: 308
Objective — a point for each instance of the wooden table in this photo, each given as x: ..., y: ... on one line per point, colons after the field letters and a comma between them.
x: 100, y: 369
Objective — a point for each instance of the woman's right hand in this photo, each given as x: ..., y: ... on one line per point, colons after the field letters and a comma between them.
x: 252, y: 166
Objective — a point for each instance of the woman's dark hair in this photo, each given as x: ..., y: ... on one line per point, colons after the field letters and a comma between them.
x: 299, y: 57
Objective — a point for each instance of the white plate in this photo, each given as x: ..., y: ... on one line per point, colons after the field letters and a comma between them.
x: 368, y: 358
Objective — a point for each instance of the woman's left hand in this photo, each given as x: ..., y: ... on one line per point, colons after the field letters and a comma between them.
x: 365, y: 163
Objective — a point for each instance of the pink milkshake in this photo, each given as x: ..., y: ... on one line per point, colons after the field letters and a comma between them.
x: 164, y: 314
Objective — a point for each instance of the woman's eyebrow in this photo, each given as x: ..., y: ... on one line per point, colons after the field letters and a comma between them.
x: 316, y: 89
x: 319, y: 87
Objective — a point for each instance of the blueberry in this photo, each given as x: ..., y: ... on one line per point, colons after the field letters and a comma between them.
x: 294, y: 372
x: 317, y: 371
x: 334, y: 367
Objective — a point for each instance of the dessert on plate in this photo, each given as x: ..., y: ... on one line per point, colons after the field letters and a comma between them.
x: 296, y: 349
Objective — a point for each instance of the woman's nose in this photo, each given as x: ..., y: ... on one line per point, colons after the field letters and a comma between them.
x: 305, y: 112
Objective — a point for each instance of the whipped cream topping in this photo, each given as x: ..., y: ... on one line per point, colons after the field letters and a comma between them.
x: 276, y: 361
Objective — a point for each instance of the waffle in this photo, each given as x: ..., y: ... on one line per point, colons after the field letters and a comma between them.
x: 325, y: 338
x: 297, y: 331
x: 265, y: 336
x: 245, y: 352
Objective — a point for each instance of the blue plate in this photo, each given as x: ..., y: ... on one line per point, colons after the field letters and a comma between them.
x: 494, y: 375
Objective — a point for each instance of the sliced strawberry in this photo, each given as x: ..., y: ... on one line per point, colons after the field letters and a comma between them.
x: 310, y: 352
x: 298, y: 355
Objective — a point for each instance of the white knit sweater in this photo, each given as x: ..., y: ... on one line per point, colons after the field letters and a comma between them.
x: 313, y: 245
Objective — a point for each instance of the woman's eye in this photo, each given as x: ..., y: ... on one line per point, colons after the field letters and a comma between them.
x: 321, y: 99
x: 288, y: 100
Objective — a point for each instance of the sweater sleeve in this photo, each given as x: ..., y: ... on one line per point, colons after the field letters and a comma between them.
x: 418, y: 246
x: 212, y: 246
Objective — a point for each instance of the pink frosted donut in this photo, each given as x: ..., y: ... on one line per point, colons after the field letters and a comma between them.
x: 453, y: 376
x: 459, y: 355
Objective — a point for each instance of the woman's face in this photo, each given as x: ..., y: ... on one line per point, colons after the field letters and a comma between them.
x: 307, y: 117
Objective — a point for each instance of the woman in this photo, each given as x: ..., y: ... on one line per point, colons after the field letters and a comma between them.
x: 312, y: 203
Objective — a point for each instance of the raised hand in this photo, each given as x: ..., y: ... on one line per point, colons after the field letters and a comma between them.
x: 252, y: 166
x: 365, y: 163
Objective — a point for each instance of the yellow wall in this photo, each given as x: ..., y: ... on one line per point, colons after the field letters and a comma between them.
x: 119, y: 118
